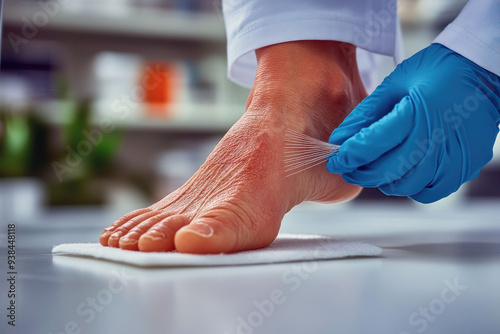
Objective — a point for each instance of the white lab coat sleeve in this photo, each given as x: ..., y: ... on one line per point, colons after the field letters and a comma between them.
x: 475, y: 34
x: 371, y: 25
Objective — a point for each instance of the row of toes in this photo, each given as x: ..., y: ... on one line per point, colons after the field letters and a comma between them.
x: 144, y: 230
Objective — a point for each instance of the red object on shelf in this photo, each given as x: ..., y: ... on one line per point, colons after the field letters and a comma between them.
x: 161, y: 82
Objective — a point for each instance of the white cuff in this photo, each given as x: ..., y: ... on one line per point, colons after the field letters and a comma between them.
x: 475, y: 34
x: 251, y: 24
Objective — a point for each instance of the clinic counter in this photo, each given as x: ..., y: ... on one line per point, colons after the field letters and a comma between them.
x: 438, y: 273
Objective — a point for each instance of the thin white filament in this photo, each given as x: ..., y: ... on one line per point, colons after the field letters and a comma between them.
x: 303, y: 152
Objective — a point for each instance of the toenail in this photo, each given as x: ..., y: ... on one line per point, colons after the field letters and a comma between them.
x: 105, y: 234
x: 116, y: 235
x: 200, y: 228
x: 127, y: 241
x: 154, y: 235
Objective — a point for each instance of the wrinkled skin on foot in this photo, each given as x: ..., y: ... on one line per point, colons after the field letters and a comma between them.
x: 238, y: 197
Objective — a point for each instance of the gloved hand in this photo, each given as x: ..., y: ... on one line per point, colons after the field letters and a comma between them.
x: 427, y: 129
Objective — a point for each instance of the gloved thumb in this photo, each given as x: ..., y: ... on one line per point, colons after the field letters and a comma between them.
x: 371, y: 109
x: 374, y: 141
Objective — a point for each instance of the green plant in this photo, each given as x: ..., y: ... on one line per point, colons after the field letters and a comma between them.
x: 23, y: 144
x: 80, y: 182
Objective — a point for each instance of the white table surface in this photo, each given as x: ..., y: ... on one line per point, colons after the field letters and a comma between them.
x: 406, y: 290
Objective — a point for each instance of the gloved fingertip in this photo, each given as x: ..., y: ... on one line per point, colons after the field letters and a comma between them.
x: 473, y: 176
x: 359, y: 179
x: 426, y: 197
x: 388, y: 189
x: 332, y: 165
x: 336, y: 164
x: 394, y: 189
x: 350, y: 180
x: 337, y: 137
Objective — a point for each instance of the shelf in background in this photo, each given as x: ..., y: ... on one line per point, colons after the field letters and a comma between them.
x: 119, y: 21
x: 185, y: 118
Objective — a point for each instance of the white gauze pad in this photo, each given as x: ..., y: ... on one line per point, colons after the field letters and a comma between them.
x: 286, y: 248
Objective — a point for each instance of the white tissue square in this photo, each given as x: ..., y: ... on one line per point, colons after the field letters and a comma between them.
x: 286, y: 248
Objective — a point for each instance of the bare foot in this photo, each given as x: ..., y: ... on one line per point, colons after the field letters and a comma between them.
x: 238, y: 197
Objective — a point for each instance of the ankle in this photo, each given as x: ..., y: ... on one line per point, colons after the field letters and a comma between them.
x: 309, y: 86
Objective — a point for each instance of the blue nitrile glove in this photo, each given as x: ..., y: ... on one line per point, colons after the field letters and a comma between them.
x: 427, y: 129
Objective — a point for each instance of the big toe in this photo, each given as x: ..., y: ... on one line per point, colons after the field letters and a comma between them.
x: 213, y: 236
x: 206, y: 236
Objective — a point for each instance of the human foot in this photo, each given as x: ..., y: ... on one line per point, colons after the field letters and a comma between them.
x: 238, y: 197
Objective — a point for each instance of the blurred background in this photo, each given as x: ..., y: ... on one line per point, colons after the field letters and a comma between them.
x: 110, y: 105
